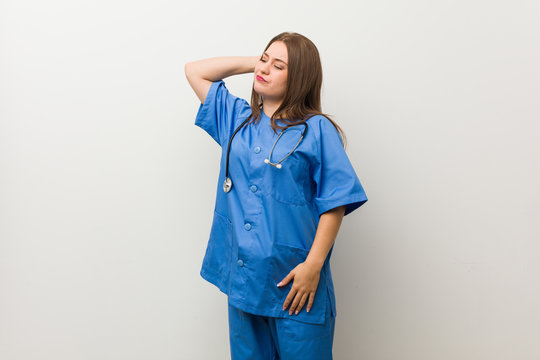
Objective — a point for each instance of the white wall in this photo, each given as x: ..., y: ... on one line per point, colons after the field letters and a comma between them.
x: 107, y: 186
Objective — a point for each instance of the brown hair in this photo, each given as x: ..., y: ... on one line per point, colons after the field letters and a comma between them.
x: 302, y: 98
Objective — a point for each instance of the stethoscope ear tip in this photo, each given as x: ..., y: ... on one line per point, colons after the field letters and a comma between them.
x: 267, y: 161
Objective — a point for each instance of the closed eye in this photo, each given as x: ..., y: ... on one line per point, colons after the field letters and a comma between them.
x: 274, y: 65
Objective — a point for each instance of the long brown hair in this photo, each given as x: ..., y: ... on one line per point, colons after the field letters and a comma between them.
x: 302, y: 98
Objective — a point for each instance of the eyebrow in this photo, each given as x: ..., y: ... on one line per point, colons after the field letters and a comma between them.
x: 275, y: 58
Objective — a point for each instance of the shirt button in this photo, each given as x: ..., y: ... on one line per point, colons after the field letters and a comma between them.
x: 253, y: 188
x: 247, y: 226
x: 257, y: 150
x: 240, y: 262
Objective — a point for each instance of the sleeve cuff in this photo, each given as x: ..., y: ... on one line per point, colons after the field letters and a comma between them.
x: 352, y: 203
x: 204, y: 118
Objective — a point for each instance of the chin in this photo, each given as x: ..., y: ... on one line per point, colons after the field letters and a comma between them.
x: 256, y: 89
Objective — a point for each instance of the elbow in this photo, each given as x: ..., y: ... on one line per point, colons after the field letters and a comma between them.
x: 187, y: 69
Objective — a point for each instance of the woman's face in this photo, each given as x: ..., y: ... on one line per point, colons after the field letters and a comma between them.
x: 272, y: 68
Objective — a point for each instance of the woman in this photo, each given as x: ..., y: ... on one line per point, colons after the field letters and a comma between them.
x: 285, y: 184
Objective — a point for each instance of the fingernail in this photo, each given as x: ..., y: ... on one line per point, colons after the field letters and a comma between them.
x: 307, y: 310
x: 279, y: 284
x: 296, y: 313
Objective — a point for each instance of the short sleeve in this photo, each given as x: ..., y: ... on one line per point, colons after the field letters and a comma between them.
x: 217, y: 114
x: 336, y: 181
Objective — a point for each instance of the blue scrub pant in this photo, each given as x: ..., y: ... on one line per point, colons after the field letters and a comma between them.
x: 255, y: 337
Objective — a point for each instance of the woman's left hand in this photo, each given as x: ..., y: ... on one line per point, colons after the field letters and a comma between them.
x: 306, y: 278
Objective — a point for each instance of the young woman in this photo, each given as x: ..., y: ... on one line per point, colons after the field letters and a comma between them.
x: 284, y: 185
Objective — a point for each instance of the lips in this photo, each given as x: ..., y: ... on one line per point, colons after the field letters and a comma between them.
x: 260, y: 78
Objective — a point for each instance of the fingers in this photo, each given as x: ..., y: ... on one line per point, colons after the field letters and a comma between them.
x: 287, y: 278
x: 298, y: 302
x: 289, y: 298
x: 293, y: 295
x: 310, y: 302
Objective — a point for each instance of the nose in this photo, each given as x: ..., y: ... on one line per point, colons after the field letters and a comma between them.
x: 264, y: 67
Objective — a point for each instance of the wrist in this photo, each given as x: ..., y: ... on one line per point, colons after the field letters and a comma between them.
x: 255, y: 59
x: 314, y: 263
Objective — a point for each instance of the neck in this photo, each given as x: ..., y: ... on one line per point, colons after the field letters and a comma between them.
x: 270, y: 107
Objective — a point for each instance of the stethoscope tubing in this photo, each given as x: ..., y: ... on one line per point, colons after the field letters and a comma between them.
x: 229, y: 147
x: 228, y: 182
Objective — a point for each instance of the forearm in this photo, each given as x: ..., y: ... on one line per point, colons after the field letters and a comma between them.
x: 218, y: 68
x: 327, y: 230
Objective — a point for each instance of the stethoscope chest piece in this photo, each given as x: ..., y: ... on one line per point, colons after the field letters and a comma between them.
x: 227, y: 184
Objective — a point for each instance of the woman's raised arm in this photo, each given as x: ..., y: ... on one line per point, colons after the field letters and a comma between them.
x: 201, y: 73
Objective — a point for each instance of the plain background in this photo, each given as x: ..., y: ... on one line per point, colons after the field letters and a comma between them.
x: 107, y: 187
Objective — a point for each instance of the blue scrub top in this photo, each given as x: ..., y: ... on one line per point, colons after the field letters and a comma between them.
x: 266, y: 224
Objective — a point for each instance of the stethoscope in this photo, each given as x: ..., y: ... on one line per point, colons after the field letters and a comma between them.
x: 227, y: 184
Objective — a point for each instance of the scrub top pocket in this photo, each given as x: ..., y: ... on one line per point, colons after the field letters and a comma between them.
x: 284, y: 259
x: 218, y: 252
x: 286, y: 185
